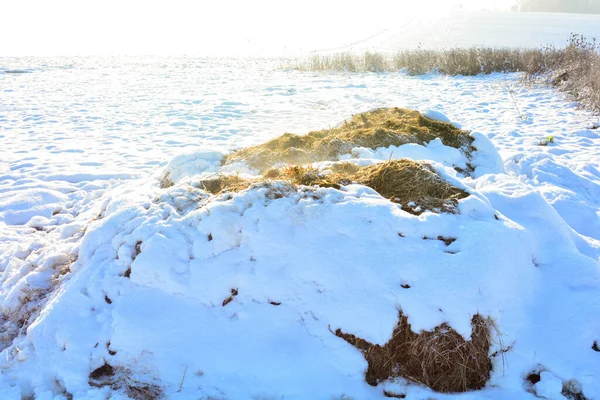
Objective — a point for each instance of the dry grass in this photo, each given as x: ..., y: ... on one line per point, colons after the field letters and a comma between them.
x: 224, y: 183
x: 383, y: 127
x: 574, y: 70
x: 404, y: 181
x: 309, y: 176
x: 165, y: 181
x: 415, y: 185
x: 401, y: 181
x: 344, y: 167
x: 345, y: 61
x: 466, y: 61
x: 16, y: 320
x: 440, y: 359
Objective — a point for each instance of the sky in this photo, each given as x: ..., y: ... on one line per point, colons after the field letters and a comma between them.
x: 234, y: 27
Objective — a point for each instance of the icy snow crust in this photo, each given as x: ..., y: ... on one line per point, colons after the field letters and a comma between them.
x: 142, y: 278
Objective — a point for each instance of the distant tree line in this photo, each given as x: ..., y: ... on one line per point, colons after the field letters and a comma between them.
x: 566, y: 6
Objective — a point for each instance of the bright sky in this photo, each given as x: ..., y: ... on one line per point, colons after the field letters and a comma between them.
x: 233, y: 27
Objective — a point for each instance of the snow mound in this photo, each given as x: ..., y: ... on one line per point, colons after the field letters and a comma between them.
x: 256, y: 293
x: 190, y: 164
x: 28, y: 203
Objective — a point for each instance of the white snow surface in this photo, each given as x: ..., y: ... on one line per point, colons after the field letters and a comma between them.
x: 100, y: 265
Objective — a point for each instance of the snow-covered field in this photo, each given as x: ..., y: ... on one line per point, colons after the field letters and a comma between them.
x: 84, y: 142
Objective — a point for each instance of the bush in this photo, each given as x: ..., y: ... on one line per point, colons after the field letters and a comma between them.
x: 574, y: 69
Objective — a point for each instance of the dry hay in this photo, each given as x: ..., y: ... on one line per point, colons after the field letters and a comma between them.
x: 344, y: 167
x: 404, y: 181
x: 224, y: 183
x: 165, y: 181
x: 440, y: 359
x: 120, y: 379
x: 308, y: 176
x: 382, y: 127
x: 401, y: 181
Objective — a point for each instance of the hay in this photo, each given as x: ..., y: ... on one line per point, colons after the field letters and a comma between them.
x: 309, y: 176
x: 405, y: 181
x: 224, y: 183
x: 165, y: 181
x: 382, y: 127
x: 415, y: 185
x: 344, y: 168
x: 440, y: 359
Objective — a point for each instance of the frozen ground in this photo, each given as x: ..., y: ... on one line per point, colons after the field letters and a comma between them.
x: 84, y: 140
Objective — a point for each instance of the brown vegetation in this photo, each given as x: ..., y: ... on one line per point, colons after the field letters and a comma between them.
x: 415, y: 185
x: 382, y: 127
x: 120, y: 379
x: 401, y: 181
x: 14, y: 321
x: 467, y: 61
x: 234, y: 293
x: 222, y: 183
x: 440, y: 359
x: 404, y: 181
x: 574, y: 69
x: 308, y: 176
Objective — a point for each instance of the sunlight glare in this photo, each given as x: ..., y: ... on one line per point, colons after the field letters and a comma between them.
x: 238, y: 27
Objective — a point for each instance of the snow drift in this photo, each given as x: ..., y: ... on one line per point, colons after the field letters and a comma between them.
x: 177, y: 292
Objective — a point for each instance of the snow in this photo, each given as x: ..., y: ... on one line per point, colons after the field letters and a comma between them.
x: 18, y: 208
x: 432, y: 151
x: 240, y: 292
x: 193, y: 163
x: 549, y: 387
